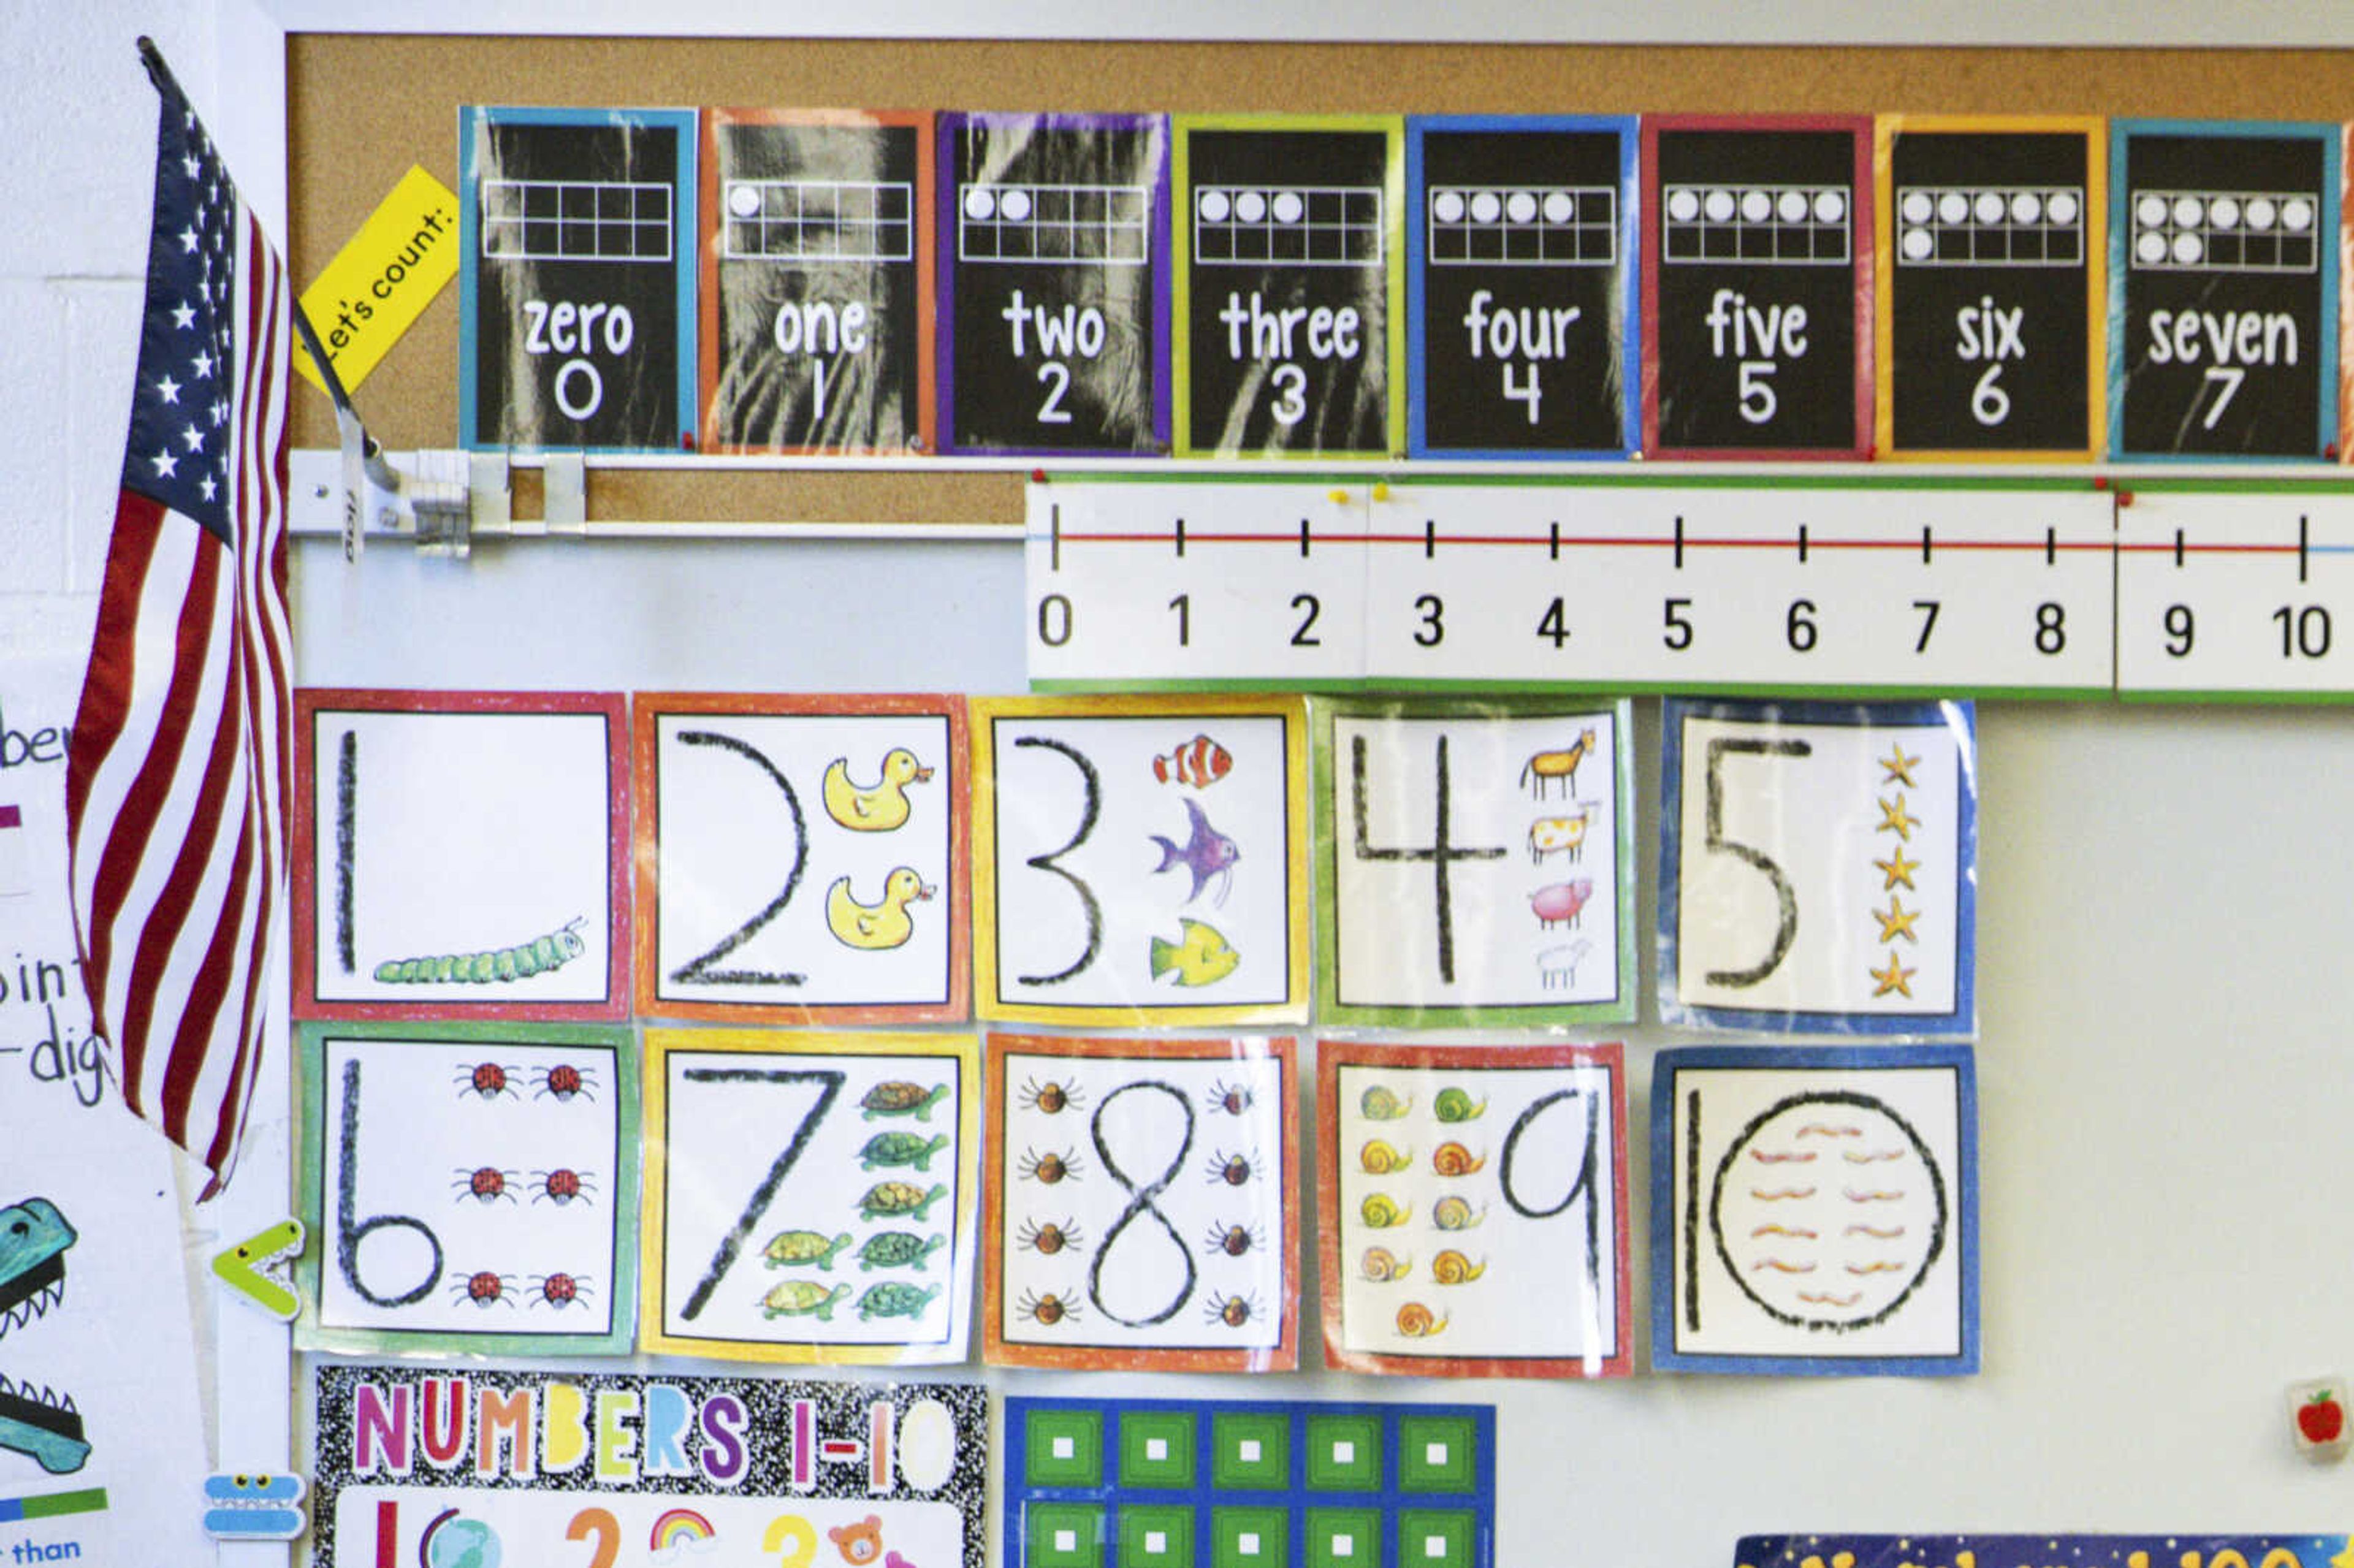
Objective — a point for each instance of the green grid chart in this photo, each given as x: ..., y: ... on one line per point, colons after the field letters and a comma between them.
x: 1173, y: 1484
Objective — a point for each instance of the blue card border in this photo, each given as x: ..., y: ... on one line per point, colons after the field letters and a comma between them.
x: 1961, y: 1024
x: 1630, y: 282
x: 1961, y: 1059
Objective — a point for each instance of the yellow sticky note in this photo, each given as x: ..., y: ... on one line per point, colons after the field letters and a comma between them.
x: 380, y: 282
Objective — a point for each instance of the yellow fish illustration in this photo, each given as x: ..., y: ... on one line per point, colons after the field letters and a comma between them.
x: 1200, y: 956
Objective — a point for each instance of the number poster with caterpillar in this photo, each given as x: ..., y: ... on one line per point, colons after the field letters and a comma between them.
x: 460, y: 854
x: 469, y: 1470
x: 1477, y: 863
x: 810, y: 1197
x: 801, y: 859
x: 1818, y: 868
x: 1472, y: 1206
x: 1814, y: 1210
x: 469, y: 1188
x: 1140, y: 1210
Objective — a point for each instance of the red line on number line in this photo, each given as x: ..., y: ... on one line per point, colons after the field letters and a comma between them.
x: 1691, y: 542
x: 2210, y: 549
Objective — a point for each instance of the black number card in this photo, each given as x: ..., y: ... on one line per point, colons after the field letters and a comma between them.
x: 1521, y: 288
x: 1290, y: 290
x: 576, y: 293
x: 817, y: 274
x: 1756, y: 287
x: 2223, y: 264
x: 1990, y: 232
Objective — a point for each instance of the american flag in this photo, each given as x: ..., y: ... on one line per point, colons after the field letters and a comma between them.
x: 176, y: 778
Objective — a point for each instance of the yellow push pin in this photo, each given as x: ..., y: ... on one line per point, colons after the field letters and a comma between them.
x: 1381, y: 490
x: 1339, y: 498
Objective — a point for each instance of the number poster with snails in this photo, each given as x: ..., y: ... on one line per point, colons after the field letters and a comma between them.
x: 460, y: 854
x: 1814, y: 1210
x: 810, y: 1197
x: 468, y: 1187
x: 1141, y: 1204
x: 1472, y: 1206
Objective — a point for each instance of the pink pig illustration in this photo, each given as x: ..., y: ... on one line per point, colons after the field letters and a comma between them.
x: 1559, y: 904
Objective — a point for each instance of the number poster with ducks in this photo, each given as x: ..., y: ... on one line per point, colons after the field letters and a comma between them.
x: 810, y: 1197
x: 1141, y: 1210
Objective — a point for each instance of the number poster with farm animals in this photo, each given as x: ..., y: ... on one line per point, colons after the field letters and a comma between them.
x: 1818, y: 868
x: 810, y: 1197
x: 1141, y: 860
x: 468, y: 1187
x: 461, y: 853
x: 1814, y: 1210
x: 1472, y: 1205
x: 1141, y: 1208
x: 474, y: 1469
x: 1477, y: 863
x: 801, y: 859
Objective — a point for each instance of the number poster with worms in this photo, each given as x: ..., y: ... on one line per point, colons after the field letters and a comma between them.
x: 810, y: 1197
x: 1472, y: 1206
x: 1141, y: 860
x: 1141, y: 1207
x: 468, y: 1187
x: 1818, y: 868
x: 461, y: 853
x: 1814, y: 1210
x: 411, y: 1465
x: 801, y: 859
x: 1477, y: 863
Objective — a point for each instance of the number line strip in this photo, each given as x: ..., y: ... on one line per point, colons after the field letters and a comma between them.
x: 1804, y: 541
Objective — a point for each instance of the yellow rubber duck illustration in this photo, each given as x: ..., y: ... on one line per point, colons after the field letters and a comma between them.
x: 884, y: 925
x: 881, y: 808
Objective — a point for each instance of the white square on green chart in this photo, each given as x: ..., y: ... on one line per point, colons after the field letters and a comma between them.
x: 1250, y: 1538
x: 1250, y: 1451
x: 1344, y: 1538
x: 1344, y: 1453
x: 1437, y: 1453
x: 1156, y: 1448
x: 1063, y: 1535
x: 1437, y: 1538
x: 1066, y: 1449
x: 1156, y: 1535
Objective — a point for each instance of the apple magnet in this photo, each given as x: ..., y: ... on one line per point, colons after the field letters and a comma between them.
x: 2316, y: 1413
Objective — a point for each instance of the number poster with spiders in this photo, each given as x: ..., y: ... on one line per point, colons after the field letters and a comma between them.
x: 1478, y: 864
x: 1139, y: 1205
x: 1815, y: 1210
x: 1473, y: 1209
x: 810, y: 1197
x: 1141, y: 860
x: 801, y: 859
x: 1818, y: 868
x: 469, y: 1188
x: 461, y: 853
x: 411, y: 1464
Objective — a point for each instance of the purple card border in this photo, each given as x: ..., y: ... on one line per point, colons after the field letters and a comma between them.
x: 945, y: 180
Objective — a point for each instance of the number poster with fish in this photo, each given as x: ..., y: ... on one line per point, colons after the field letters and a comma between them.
x: 810, y: 1197
x: 461, y: 853
x: 1815, y: 1210
x: 469, y: 1188
x: 1141, y: 860
x: 801, y: 859
x: 468, y: 1469
x: 1473, y: 1209
x: 1818, y: 868
x: 1477, y: 863
x: 1141, y: 1210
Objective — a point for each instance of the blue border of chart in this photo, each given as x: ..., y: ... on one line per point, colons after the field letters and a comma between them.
x: 686, y: 238
x: 2330, y: 239
x: 1961, y: 1059
x: 1961, y: 1024
x: 1630, y: 281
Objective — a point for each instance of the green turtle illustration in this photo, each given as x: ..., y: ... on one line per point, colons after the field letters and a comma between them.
x: 894, y: 1299
x: 903, y: 1099
x: 902, y: 1148
x: 799, y: 1298
x: 896, y: 1198
x: 787, y: 1247
x: 894, y: 1249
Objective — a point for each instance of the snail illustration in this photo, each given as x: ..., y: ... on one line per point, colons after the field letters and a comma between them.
x: 1452, y: 1268
x: 1381, y: 1212
x: 1416, y: 1322
x: 1454, y: 1159
x: 1379, y: 1159
x: 1453, y: 1215
x: 1379, y: 1104
x: 1454, y: 1105
x: 1382, y: 1266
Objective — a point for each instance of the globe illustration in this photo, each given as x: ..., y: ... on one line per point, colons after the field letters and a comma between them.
x: 462, y: 1543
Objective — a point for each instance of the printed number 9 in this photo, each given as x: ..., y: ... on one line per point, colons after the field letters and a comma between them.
x: 1291, y: 393
x: 794, y: 1537
x: 2180, y: 626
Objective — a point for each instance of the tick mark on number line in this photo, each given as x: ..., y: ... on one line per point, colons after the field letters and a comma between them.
x: 2050, y: 547
x: 2304, y: 543
x: 1429, y: 538
x: 1680, y: 542
x: 1303, y: 538
x: 1925, y: 544
x: 1802, y: 544
x: 1055, y: 536
x: 2177, y: 549
x: 1555, y: 551
x: 1180, y: 538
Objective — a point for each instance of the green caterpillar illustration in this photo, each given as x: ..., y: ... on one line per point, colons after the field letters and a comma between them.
x: 521, y: 961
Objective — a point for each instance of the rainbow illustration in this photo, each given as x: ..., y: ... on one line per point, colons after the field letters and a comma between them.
x: 679, y: 1527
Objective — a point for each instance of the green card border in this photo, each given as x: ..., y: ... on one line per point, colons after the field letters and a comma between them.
x: 311, y: 1090
x: 1329, y: 1008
